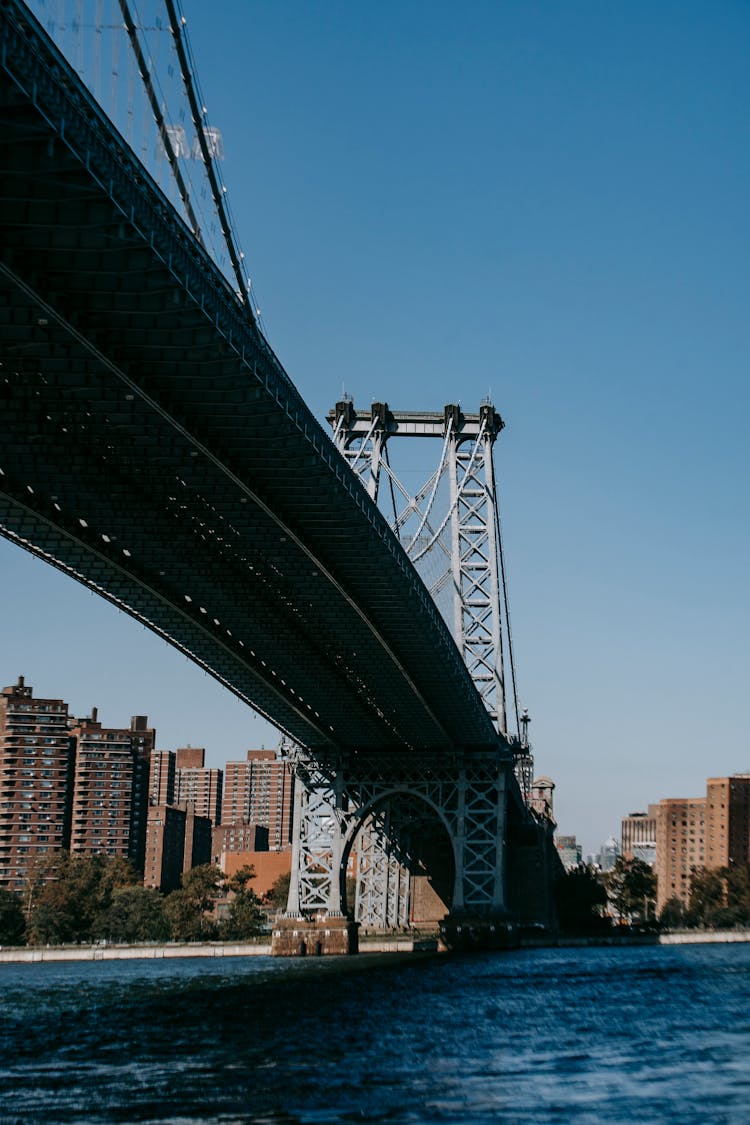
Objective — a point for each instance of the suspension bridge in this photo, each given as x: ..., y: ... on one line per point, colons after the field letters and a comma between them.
x: 155, y: 449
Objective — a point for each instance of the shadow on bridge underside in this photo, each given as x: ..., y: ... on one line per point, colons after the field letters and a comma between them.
x: 155, y: 450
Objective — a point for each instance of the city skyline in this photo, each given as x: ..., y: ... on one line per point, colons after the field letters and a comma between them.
x: 542, y: 205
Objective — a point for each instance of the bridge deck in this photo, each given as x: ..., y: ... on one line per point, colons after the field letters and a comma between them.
x: 155, y: 449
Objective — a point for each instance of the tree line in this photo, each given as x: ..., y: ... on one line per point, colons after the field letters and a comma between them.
x: 85, y: 899
x: 719, y: 899
x: 591, y: 901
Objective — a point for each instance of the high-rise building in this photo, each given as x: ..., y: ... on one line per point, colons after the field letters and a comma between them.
x: 161, y: 782
x: 680, y: 846
x: 196, y: 785
x: 638, y: 835
x: 176, y: 841
x: 728, y: 820
x: 36, y: 762
x: 165, y: 847
x: 260, y: 790
x: 110, y: 788
x: 608, y: 854
x: 197, y: 839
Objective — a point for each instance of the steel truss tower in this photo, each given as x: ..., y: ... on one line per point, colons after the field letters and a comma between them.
x: 465, y: 539
x: 449, y: 528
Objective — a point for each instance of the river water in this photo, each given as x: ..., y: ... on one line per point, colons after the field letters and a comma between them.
x: 647, y: 1034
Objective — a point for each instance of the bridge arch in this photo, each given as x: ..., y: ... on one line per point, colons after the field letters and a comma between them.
x: 406, y: 861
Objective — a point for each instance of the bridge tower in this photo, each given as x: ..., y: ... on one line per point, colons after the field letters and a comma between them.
x: 454, y: 540
x: 450, y: 529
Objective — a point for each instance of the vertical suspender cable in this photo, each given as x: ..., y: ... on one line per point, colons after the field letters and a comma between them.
x: 501, y: 556
x: 393, y: 494
x: 176, y: 25
x: 159, y: 117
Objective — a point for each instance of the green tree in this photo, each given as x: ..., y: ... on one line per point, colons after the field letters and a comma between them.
x: 12, y: 921
x: 631, y: 887
x: 673, y: 913
x: 190, y: 909
x: 738, y: 891
x: 581, y: 899
x: 135, y: 914
x: 245, y: 919
x: 246, y: 916
x: 278, y: 894
x: 707, y: 895
x: 69, y: 901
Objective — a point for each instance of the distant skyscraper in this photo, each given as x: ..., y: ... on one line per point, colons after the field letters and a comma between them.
x: 36, y: 762
x: 638, y: 835
x: 260, y: 791
x: 110, y: 789
x: 608, y: 854
x: 570, y: 851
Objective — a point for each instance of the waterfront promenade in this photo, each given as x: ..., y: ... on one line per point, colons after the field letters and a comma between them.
x: 386, y: 944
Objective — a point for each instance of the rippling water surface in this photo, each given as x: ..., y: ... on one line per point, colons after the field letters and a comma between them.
x: 588, y: 1035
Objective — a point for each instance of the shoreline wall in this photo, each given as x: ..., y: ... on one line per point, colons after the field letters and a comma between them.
x: 386, y: 944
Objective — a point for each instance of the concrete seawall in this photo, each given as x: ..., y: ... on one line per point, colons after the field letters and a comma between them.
x: 129, y: 952
x: 24, y: 954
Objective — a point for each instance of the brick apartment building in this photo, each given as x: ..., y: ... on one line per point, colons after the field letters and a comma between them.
x: 177, y: 839
x: 110, y: 788
x: 260, y: 790
x: 728, y: 820
x: 36, y: 771
x: 680, y: 846
x: 197, y: 785
x: 161, y: 782
x: 711, y: 831
x: 233, y: 838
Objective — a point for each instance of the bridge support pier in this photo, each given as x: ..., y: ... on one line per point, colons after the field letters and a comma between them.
x: 425, y: 828
x: 313, y: 937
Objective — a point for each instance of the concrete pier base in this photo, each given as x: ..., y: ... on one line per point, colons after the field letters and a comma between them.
x: 461, y: 932
x: 320, y: 936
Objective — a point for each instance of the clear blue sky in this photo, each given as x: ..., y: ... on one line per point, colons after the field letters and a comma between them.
x: 548, y: 201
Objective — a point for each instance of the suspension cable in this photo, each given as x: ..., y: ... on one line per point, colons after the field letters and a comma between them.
x: 187, y: 69
x: 387, y: 460
x: 161, y: 124
x: 438, y: 474
x: 454, y: 505
x: 506, y: 605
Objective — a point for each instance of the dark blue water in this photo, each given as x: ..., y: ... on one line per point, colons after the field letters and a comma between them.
x: 588, y: 1035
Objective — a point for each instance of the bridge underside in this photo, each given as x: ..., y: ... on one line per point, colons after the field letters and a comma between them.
x: 155, y: 450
